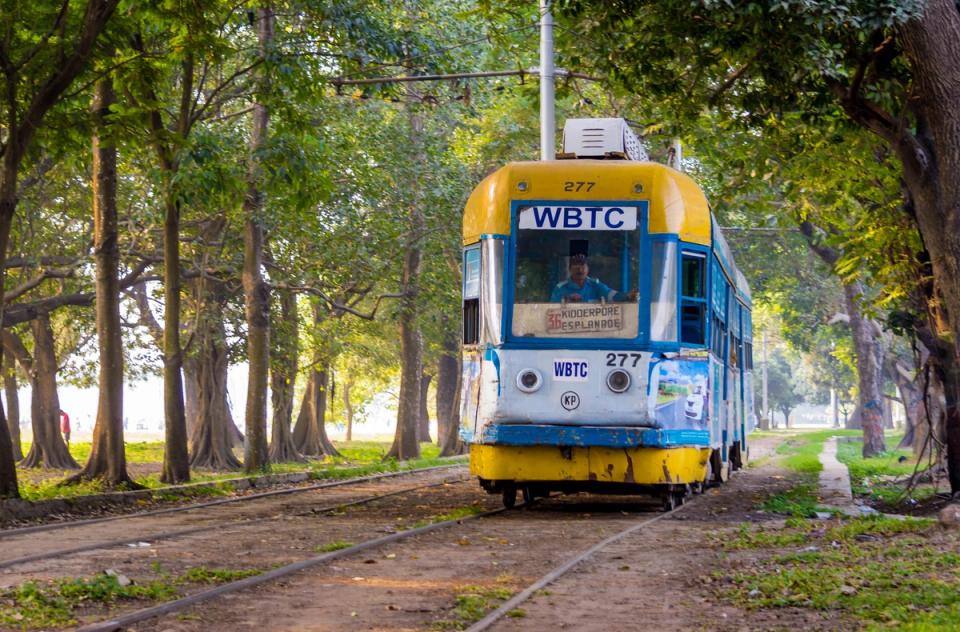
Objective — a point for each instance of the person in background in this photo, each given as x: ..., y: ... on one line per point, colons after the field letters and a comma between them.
x: 580, y: 288
x: 65, y: 426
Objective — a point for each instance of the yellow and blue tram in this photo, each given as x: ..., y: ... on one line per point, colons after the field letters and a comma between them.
x: 607, y: 335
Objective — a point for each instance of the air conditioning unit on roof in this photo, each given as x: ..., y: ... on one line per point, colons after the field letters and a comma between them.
x: 602, y: 138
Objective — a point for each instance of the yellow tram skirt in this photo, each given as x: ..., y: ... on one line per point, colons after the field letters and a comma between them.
x: 641, y: 466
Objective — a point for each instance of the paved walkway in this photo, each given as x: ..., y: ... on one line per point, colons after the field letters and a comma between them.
x: 834, y: 484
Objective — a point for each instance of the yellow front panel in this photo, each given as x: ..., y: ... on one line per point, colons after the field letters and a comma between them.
x: 677, y: 205
x: 643, y: 466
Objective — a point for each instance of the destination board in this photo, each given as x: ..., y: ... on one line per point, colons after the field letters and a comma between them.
x: 575, y: 319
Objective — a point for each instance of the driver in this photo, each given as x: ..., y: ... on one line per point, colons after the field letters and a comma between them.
x: 579, y: 287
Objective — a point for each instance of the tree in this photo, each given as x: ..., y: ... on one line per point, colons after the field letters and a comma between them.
x: 38, y: 69
x: 256, y: 292
x: 107, y: 457
x: 782, y: 391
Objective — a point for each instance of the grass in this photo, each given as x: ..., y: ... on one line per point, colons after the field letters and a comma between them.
x: 336, y: 545
x: 36, y: 604
x: 456, y: 514
x: 801, y: 452
x: 865, y: 472
x: 358, y: 458
x: 472, y: 602
x: 883, y: 571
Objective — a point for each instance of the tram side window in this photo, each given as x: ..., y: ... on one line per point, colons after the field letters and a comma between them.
x: 471, y: 296
x: 748, y: 356
x: 716, y: 339
x: 663, y: 294
x: 693, y: 307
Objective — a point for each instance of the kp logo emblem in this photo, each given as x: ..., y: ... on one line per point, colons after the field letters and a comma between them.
x: 570, y: 400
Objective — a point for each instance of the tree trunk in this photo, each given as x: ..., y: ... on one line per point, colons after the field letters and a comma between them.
x: 108, y: 460
x: 868, y: 348
x: 211, y: 441
x: 931, y: 161
x: 8, y: 205
x: 423, y: 421
x: 13, y: 403
x: 176, y: 460
x: 450, y: 443
x: 48, y: 448
x: 448, y: 396
x: 345, y: 386
x: 310, y: 433
x: 256, y: 293
x: 283, y: 376
x: 405, y: 445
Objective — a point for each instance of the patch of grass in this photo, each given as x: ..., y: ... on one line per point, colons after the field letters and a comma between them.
x: 748, y: 538
x: 882, y: 571
x: 336, y: 545
x: 472, y: 602
x: 35, y: 604
x: 40, y: 605
x: 865, y: 472
x: 517, y: 613
x: 801, y: 452
x: 456, y: 514
x: 799, y: 502
x: 204, y: 575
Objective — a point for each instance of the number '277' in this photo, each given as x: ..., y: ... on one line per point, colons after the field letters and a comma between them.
x: 578, y: 186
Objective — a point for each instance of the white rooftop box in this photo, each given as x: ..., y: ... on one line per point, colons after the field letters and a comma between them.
x: 601, y: 137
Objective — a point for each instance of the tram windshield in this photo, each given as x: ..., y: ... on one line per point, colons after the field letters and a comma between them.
x: 577, y: 272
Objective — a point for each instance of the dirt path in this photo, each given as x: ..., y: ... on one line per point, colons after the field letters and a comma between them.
x: 660, y: 578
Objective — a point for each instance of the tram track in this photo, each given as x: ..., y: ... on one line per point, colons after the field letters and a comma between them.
x: 559, y: 571
x: 8, y: 533
x: 236, y: 523
x: 179, y: 605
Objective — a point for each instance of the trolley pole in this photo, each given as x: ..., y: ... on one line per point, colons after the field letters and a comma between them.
x: 547, y: 114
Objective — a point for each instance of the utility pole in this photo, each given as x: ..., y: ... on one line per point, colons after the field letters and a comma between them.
x: 547, y: 115
x: 766, y: 409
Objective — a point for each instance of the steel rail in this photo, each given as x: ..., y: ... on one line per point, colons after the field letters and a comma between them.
x: 182, y: 532
x: 492, y: 618
x: 137, y: 616
x: 275, y: 492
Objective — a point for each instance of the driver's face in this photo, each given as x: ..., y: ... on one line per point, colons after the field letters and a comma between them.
x: 578, y: 272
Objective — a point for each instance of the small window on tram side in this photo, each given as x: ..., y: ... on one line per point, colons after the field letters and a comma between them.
x: 471, y: 296
x: 693, y: 307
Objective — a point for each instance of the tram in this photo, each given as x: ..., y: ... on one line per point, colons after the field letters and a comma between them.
x: 607, y: 342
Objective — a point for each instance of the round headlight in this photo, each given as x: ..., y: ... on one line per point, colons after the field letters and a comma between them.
x: 529, y: 380
x: 618, y: 380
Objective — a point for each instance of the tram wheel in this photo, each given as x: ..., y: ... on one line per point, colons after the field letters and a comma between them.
x: 718, y: 472
x: 528, y: 495
x: 510, y: 496
x: 672, y: 500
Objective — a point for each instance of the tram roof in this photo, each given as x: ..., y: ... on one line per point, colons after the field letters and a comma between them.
x: 677, y: 205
